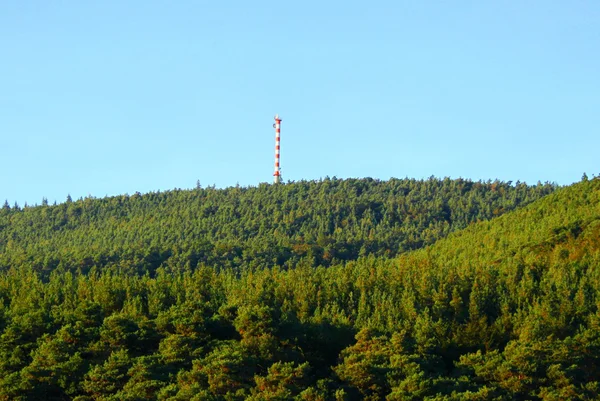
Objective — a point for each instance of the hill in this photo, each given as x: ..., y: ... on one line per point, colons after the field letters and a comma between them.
x: 321, y: 222
x: 502, y: 309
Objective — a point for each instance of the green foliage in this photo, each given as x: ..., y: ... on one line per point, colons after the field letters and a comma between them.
x: 284, y: 381
x: 319, y: 223
x: 104, y: 380
x: 233, y: 307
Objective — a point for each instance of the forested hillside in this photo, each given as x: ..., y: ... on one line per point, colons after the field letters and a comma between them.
x: 505, y: 309
x: 318, y: 222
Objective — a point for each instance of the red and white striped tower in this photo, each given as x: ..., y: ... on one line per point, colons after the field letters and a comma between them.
x: 277, y: 126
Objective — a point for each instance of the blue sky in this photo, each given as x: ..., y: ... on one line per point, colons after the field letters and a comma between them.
x: 113, y: 97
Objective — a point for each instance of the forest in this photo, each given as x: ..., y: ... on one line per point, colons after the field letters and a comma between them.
x: 319, y: 223
x: 354, y: 289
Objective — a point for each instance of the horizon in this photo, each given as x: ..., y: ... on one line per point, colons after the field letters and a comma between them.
x: 107, y: 99
x: 69, y: 198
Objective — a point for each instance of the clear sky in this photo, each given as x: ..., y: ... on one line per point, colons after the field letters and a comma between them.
x: 111, y: 97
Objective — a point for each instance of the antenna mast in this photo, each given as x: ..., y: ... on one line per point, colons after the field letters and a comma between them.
x: 277, y: 126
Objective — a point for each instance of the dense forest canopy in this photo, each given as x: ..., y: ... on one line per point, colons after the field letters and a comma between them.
x: 501, y: 309
x: 320, y: 223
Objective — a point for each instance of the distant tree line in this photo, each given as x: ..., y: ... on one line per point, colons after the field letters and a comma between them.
x: 317, y: 223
